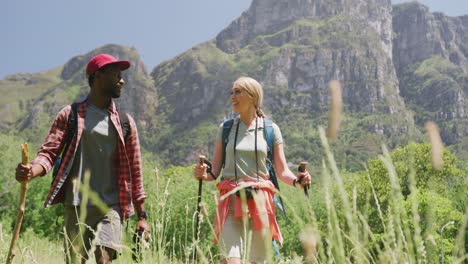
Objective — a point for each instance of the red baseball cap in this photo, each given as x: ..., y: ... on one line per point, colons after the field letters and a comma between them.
x: 101, y: 60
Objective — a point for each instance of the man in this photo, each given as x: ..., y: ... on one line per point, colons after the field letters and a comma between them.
x: 99, y: 152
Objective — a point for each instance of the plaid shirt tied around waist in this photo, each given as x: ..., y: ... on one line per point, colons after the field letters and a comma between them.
x: 127, y: 163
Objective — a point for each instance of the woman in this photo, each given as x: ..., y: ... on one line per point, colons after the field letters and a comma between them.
x: 246, y: 165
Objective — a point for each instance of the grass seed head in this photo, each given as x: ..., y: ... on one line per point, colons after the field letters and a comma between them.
x: 437, y: 146
x: 310, y: 238
x: 336, y: 107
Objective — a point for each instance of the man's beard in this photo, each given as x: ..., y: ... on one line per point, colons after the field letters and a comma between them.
x: 114, y: 92
x: 115, y: 95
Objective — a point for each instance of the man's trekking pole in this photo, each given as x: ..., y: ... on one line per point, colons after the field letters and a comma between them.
x: 21, y: 208
x: 303, y: 168
x: 197, y: 223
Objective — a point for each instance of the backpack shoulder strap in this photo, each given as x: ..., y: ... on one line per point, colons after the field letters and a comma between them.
x: 124, y: 122
x: 71, y: 126
x: 269, y: 137
x: 71, y: 129
x: 227, y: 125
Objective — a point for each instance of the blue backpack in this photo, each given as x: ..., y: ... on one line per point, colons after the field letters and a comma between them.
x: 269, y: 137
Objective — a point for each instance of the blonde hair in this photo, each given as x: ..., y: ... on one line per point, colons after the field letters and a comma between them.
x: 254, y: 90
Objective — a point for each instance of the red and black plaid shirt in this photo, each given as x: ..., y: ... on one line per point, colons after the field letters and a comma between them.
x: 128, y: 161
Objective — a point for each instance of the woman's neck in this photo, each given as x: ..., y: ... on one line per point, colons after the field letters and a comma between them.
x: 247, y: 118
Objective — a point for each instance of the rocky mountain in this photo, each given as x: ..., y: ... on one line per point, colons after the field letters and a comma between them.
x: 294, y: 48
x: 399, y: 67
x: 431, y: 59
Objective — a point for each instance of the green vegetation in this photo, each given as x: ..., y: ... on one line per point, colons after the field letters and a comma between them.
x: 391, y: 212
x: 429, y: 88
x: 427, y: 84
x: 364, y: 207
x: 17, y: 90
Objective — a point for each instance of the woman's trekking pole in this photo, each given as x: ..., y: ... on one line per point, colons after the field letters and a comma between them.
x: 21, y: 208
x: 200, y: 185
x: 303, y: 168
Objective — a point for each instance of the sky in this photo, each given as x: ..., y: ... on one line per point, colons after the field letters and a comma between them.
x: 41, y: 35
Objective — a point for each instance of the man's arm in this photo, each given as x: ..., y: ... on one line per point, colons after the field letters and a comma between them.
x: 49, y: 151
x: 140, y: 208
x: 132, y: 145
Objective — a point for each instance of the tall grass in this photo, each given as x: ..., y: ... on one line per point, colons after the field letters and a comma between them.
x: 330, y: 227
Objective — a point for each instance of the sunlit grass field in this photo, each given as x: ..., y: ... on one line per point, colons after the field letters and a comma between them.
x: 349, y: 218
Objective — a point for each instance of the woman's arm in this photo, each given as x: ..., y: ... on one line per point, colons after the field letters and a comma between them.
x: 283, y: 171
x: 200, y: 172
x: 217, y: 160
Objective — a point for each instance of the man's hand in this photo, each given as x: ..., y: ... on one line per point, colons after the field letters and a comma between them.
x: 143, y: 227
x: 28, y: 172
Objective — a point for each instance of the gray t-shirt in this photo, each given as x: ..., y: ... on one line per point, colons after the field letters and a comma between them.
x: 245, y: 151
x: 95, y: 155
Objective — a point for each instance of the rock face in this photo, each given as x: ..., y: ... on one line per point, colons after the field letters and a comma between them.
x: 294, y: 48
x: 421, y: 35
x: 431, y: 58
x: 398, y: 66
x: 266, y: 17
x: 311, y: 43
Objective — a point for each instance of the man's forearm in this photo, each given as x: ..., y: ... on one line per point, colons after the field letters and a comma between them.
x: 37, y: 170
x: 140, y: 207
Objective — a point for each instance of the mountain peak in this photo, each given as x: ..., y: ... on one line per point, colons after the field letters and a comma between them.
x: 268, y: 16
x: 75, y: 64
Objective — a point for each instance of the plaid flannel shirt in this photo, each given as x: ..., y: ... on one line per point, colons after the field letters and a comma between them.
x: 127, y: 162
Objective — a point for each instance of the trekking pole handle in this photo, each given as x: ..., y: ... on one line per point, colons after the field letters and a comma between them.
x: 201, y: 159
x: 303, y: 168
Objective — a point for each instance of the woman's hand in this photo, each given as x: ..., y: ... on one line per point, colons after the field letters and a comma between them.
x: 199, y: 172
x: 304, y: 179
